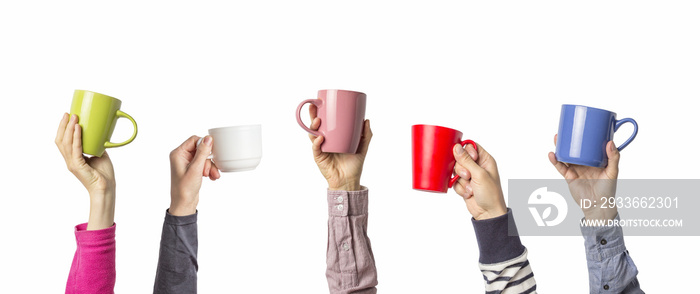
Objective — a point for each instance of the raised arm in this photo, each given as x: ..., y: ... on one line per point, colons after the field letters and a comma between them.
x: 93, y: 269
x: 177, y: 260
x: 349, y: 260
x: 610, y: 267
x: 502, y: 257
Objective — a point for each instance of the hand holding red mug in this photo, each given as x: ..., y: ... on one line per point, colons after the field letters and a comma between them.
x: 479, y: 183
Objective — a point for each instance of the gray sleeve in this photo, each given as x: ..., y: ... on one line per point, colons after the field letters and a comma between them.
x: 177, y: 261
x: 610, y: 267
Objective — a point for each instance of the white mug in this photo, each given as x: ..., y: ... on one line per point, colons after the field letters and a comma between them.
x: 237, y: 148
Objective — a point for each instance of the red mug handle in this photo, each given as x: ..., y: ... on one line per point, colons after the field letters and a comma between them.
x: 316, y: 102
x: 465, y: 142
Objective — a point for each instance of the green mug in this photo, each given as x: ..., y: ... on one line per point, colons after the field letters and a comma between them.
x: 97, y: 117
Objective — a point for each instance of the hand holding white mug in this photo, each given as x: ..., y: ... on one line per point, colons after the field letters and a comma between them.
x: 188, y: 164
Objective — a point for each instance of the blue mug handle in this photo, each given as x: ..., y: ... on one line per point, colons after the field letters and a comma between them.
x: 634, y: 134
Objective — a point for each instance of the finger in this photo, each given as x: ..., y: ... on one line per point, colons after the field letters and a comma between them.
x: 613, y: 160
x: 316, y: 146
x: 315, y: 124
x: 472, y: 152
x: 77, y: 146
x: 214, y: 173
x: 555, y: 140
x: 484, y: 159
x: 61, y: 128
x: 467, y: 184
x: 203, y: 152
x: 459, y: 189
x: 190, y: 145
x: 313, y: 110
x: 560, y: 166
x: 68, y: 134
x: 366, y: 138
x: 312, y: 138
x: 466, y: 161
x: 462, y: 191
x: 462, y: 171
x: 181, y: 156
x: 207, y: 168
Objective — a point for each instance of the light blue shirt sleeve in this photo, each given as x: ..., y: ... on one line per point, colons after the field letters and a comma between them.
x: 610, y: 267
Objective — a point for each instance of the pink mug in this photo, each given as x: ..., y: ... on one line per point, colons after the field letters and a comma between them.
x: 342, y: 115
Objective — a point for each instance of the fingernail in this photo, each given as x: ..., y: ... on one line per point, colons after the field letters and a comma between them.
x: 459, y: 150
x: 207, y: 140
x: 463, y: 173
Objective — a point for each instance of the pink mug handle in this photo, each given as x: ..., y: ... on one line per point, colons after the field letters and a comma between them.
x: 465, y: 142
x: 316, y: 102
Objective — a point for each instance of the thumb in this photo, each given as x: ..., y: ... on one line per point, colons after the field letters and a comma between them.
x: 200, y: 157
x: 465, y: 160
x: 613, y: 160
x: 365, y: 139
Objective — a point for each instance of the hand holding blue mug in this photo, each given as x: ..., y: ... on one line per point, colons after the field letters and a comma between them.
x: 584, y: 133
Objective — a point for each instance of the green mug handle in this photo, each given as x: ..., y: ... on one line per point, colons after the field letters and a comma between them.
x: 122, y: 114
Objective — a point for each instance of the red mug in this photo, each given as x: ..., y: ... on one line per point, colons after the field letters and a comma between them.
x: 433, y: 159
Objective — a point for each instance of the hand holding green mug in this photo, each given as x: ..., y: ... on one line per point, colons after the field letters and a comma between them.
x: 97, y: 117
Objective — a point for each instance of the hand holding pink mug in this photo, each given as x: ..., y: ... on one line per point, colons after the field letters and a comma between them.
x: 342, y: 114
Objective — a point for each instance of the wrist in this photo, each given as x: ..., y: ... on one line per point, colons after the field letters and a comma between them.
x: 102, y: 198
x: 183, y: 207
x: 600, y: 214
x: 101, y: 193
x: 182, y: 210
x: 347, y: 186
x: 99, y: 185
x: 491, y: 214
x: 101, y: 210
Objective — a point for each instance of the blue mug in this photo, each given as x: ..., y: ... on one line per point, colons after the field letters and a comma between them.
x: 584, y: 132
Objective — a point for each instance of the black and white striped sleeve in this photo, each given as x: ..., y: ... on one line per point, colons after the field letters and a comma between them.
x: 503, y: 258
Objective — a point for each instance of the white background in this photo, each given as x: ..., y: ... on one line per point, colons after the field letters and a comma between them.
x: 496, y: 70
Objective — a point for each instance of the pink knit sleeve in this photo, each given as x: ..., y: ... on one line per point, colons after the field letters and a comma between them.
x: 93, y: 269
